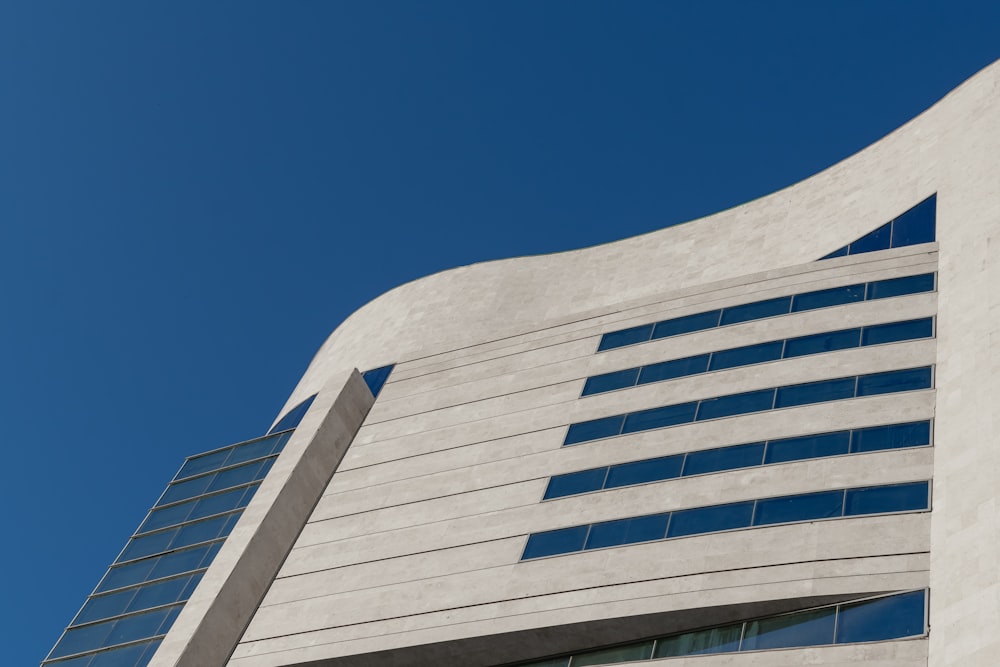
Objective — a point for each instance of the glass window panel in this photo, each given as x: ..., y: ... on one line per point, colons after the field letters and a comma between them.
x: 126, y: 656
x: 140, y: 626
x: 897, y: 331
x: 891, y: 437
x: 575, y: 482
x: 295, y: 415
x: 669, y: 415
x: 713, y: 640
x: 824, y: 342
x: 203, y: 463
x: 562, y: 541
x: 177, y: 562
x: 610, y: 381
x: 891, y: 617
x: 594, y: 429
x: 744, y: 356
x: 839, y: 252
x: 150, y: 651
x: 668, y: 370
x: 126, y: 575
x: 248, y: 495
x: 231, y: 521
x: 808, y: 447
x: 736, y: 404
x: 201, y: 531
x: 824, y: 298
x: 639, y: 472
x: 804, y: 507
x: 147, y: 545
x: 808, y: 628
x: 610, y: 656
x: 757, y: 310
x: 155, y: 595
x: 82, y: 661
x: 724, y: 458
x: 280, y: 442
x: 184, y: 490
x: 815, y: 392
x: 210, y: 554
x: 235, y: 476
x: 265, y: 467
x: 104, y: 606
x: 220, y: 502
x: 916, y: 225
x: 625, y: 337
x: 893, y: 498
x: 83, y: 639
x: 872, y: 241
x: 710, y: 519
x: 172, y: 615
x: 893, y: 381
x: 687, y: 324
x: 192, y: 583
x: 168, y: 516
x: 627, y: 531
x: 884, y: 289
x: 254, y: 450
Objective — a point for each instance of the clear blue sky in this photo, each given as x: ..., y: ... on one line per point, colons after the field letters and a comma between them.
x: 193, y: 195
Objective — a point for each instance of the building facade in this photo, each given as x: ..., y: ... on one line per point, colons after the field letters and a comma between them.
x: 765, y: 437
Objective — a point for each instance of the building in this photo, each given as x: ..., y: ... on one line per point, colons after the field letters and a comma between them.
x: 765, y: 437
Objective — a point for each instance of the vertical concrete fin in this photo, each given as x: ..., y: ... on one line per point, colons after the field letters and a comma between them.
x: 214, y: 619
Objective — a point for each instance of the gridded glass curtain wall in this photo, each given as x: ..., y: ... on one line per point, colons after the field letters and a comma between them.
x: 127, y: 615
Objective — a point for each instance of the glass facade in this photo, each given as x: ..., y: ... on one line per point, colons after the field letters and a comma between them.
x: 124, y: 619
x: 915, y: 226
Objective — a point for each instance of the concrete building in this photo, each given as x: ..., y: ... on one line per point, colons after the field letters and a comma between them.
x: 765, y: 437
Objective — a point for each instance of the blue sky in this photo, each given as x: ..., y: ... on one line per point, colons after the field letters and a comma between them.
x: 193, y: 195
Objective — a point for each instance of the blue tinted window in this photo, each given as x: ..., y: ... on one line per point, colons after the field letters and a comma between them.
x: 805, y: 507
x: 724, y: 458
x: 220, y: 502
x: 891, y: 437
x: 184, y: 490
x: 710, y: 519
x: 609, y: 656
x: 916, y: 225
x: 200, y: 531
x: 896, y: 331
x: 808, y: 447
x: 756, y: 311
x: 834, y: 296
x: 815, y: 392
x: 147, y: 545
x: 255, y: 450
x: 703, y: 642
x: 594, y: 429
x: 736, y: 404
x: 744, y: 356
x: 625, y: 337
x: 884, y: 289
x: 688, y: 324
x: 564, y: 540
x: 839, y: 252
x: 627, y: 531
x: 375, y: 379
x: 104, y: 606
x: 809, y: 628
x: 669, y: 415
x: 872, y: 241
x: 294, y: 416
x: 234, y: 477
x: 895, y: 498
x: 126, y: 575
x: 168, y: 516
x: 824, y: 342
x: 82, y: 639
x: 627, y: 474
x: 127, y: 656
x: 893, y: 381
x: 576, y: 482
x: 158, y: 594
x: 878, y: 620
x: 177, y: 562
x: 140, y: 626
x: 668, y: 370
x: 610, y: 381
x: 203, y: 463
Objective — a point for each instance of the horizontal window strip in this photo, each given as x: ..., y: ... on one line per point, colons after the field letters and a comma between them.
x: 843, y: 339
x: 233, y: 455
x: 748, y: 402
x: 200, y: 507
x: 836, y: 296
x: 125, y: 630
x: 137, y: 598
x: 749, y: 455
x: 915, y: 226
x: 882, y: 618
x: 159, y: 567
x: 131, y: 655
x: 908, y: 497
